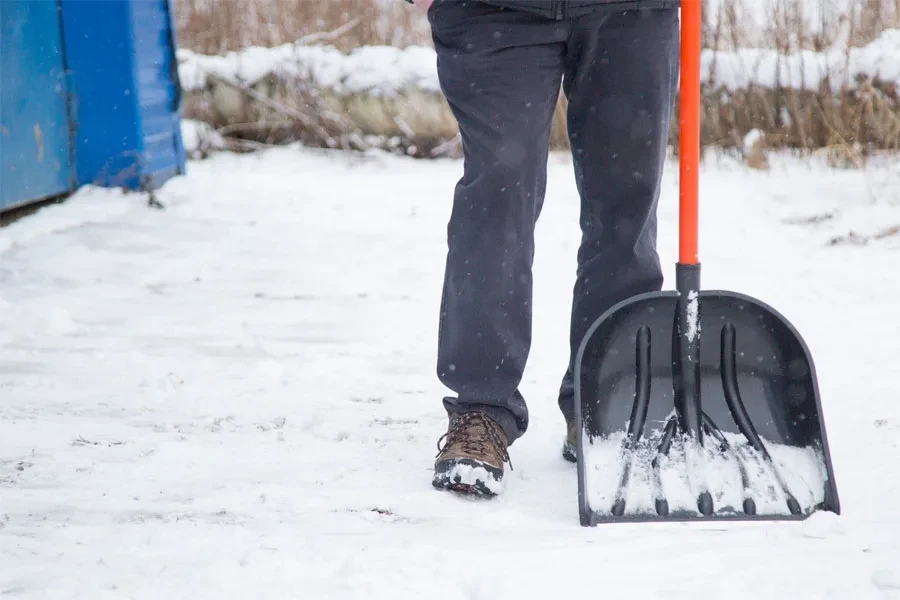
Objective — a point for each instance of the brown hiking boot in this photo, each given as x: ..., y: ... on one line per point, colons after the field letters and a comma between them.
x: 472, y: 458
x: 570, y: 445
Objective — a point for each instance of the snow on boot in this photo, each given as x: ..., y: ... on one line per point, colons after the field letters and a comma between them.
x: 472, y: 457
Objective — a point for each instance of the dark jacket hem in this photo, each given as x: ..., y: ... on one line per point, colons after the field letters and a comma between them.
x: 562, y: 9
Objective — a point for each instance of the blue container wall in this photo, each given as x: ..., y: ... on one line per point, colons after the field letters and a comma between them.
x: 89, y: 94
x: 158, y: 89
x: 35, y: 149
x: 127, y: 113
x: 97, y: 37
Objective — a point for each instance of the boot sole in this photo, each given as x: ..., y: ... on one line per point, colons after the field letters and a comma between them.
x: 467, y: 476
x: 569, y: 452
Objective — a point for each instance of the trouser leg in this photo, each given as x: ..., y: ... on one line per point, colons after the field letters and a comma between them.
x: 500, y: 71
x: 621, y: 76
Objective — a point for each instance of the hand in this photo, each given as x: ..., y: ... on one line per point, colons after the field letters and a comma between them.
x: 423, y: 4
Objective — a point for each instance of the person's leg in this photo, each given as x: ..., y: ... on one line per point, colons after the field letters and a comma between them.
x: 500, y: 71
x: 621, y: 79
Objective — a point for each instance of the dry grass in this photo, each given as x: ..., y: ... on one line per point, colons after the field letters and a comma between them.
x: 217, y: 26
x: 863, y: 116
x: 797, y: 24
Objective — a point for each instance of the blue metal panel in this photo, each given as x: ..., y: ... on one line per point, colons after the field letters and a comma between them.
x: 89, y: 93
x: 35, y: 149
x: 127, y: 114
x: 103, y: 102
x: 158, y: 89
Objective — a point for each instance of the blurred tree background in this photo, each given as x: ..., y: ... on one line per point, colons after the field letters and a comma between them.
x: 847, y: 119
x: 216, y: 26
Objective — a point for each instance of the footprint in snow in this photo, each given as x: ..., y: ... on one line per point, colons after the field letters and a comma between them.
x: 886, y: 580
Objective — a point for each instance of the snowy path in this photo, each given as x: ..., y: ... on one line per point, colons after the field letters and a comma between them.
x: 235, y: 396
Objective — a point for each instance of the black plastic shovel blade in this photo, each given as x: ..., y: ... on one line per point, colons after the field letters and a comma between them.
x: 761, y: 452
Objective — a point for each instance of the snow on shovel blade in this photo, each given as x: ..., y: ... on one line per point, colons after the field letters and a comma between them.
x: 760, y: 452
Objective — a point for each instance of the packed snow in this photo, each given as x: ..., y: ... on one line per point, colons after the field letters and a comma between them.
x: 235, y: 396
x: 388, y: 71
x: 375, y: 70
x: 738, y: 69
x: 199, y: 138
x: 686, y: 472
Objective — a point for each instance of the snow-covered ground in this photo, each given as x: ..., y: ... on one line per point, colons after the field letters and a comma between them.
x: 234, y: 397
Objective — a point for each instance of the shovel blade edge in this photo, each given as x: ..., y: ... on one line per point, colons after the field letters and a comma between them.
x: 765, y: 454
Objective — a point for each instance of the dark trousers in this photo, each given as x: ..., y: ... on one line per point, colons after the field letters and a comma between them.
x: 501, y: 70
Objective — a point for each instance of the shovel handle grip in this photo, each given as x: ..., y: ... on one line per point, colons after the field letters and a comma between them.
x: 689, y: 131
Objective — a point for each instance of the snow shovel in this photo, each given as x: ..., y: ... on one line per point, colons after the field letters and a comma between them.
x: 698, y: 405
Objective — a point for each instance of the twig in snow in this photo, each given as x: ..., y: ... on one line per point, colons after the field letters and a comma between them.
x: 322, y: 112
x: 275, y: 105
x: 239, y: 128
x: 81, y: 441
x: 404, y: 127
x: 328, y: 36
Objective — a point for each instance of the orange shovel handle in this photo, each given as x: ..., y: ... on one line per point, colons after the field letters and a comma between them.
x: 689, y: 131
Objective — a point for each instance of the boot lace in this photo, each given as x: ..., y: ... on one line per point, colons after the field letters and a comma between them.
x: 475, y: 434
